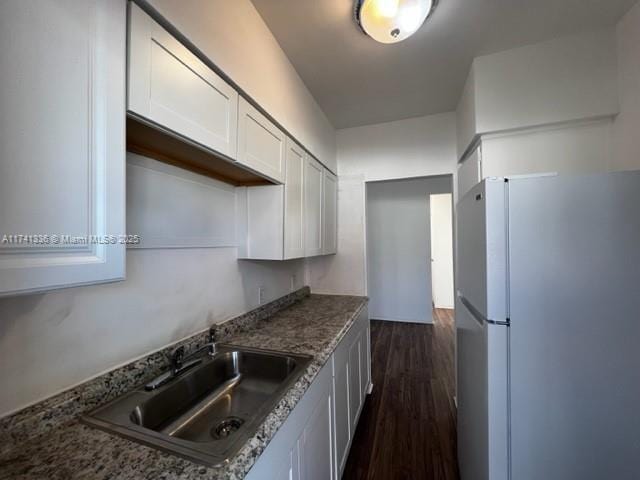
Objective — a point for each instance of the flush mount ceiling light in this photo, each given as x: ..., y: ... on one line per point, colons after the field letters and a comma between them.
x: 391, y: 21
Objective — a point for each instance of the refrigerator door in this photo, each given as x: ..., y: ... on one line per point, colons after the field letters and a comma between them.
x: 482, y: 243
x: 575, y: 327
x: 482, y: 396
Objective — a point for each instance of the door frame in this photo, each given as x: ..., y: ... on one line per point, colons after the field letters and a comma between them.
x: 450, y: 176
x: 453, y: 292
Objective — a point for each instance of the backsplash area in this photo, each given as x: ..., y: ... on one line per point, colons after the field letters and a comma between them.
x: 40, y: 418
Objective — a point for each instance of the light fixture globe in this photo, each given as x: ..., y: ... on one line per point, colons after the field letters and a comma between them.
x: 391, y: 21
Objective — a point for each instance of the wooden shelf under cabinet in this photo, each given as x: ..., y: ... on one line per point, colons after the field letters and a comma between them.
x: 166, y: 147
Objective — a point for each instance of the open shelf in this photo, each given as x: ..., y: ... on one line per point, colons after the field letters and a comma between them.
x: 164, y: 146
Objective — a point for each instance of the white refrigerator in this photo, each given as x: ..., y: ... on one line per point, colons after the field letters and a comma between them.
x: 548, y: 328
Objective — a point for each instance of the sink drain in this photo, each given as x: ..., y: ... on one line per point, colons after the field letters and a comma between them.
x: 226, y: 427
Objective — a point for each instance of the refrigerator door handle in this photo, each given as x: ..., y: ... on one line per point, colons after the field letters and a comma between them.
x: 479, y: 317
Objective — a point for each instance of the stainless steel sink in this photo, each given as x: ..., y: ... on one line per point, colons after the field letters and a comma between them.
x: 209, y: 412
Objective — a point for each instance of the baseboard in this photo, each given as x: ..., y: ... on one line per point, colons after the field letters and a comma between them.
x: 402, y: 320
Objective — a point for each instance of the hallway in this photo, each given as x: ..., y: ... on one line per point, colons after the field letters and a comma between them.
x: 407, y: 428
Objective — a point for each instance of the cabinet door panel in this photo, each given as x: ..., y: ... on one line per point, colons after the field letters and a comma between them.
x: 172, y: 87
x: 261, y: 145
x: 313, y: 179
x: 62, y: 144
x: 341, y: 410
x: 289, y: 469
x: 294, y: 202
x: 355, y: 390
x: 364, y: 368
x: 330, y: 213
x: 366, y: 343
x: 317, y: 451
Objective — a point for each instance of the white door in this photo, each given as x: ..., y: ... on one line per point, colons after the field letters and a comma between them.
x: 261, y: 145
x: 440, y: 210
x: 294, y: 201
x: 313, y: 207
x: 62, y: 143
x: 398, y: 252
x: 170, y: 86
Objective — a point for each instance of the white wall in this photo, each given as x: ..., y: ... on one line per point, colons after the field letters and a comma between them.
x: 52, y: 341
x: 414, y: 147
x: 584, y: 147
x: 234, y: 36
x: 556, y: 81
x: 567, y: 79
x: 626, y: 132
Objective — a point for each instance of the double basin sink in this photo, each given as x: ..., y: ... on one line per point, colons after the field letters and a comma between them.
x: 207, y: 413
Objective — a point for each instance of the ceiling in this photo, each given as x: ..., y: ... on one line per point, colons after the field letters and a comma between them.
x: 358, y: 81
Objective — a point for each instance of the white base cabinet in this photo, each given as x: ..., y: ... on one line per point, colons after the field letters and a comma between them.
x: 314, y: 441
x: 316, y: 447
x: 352, y: 381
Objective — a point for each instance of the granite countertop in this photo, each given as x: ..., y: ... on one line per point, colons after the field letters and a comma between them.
x: 313, y: 326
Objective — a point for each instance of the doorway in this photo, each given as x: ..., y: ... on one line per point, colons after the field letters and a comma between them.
x: 398, y: 247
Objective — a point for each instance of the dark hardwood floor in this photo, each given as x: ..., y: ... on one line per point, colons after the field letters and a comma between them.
x: 407, y: 428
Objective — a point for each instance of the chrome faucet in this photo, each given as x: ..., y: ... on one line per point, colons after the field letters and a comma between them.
x: 179, y: 363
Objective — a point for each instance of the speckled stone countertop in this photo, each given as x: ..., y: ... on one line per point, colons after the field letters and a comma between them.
x: 313, y: 325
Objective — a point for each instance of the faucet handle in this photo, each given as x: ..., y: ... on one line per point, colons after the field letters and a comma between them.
x: 177, y: 358
x: 212, y: 335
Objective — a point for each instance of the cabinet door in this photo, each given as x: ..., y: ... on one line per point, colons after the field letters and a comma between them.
x: 261, y: 145
x: 171, y: 87
x: 294, y: 201
x: 62, y: 143
x: 355, y: 389
x: 364, y: 362
x: 316, y: 455
x: 342, y: 429
x: 290, y: 469
x: 469, y: 173
x: 330, y: 213
x: 313, y: 178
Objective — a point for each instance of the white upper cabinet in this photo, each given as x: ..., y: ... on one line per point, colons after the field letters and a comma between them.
x: 171, y: 87
x: 294, y: 202
x: 313, y: 200
x: 281, y: 222
x: 62, y: 143
x: 329, y: 213
x: 261, y: 145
